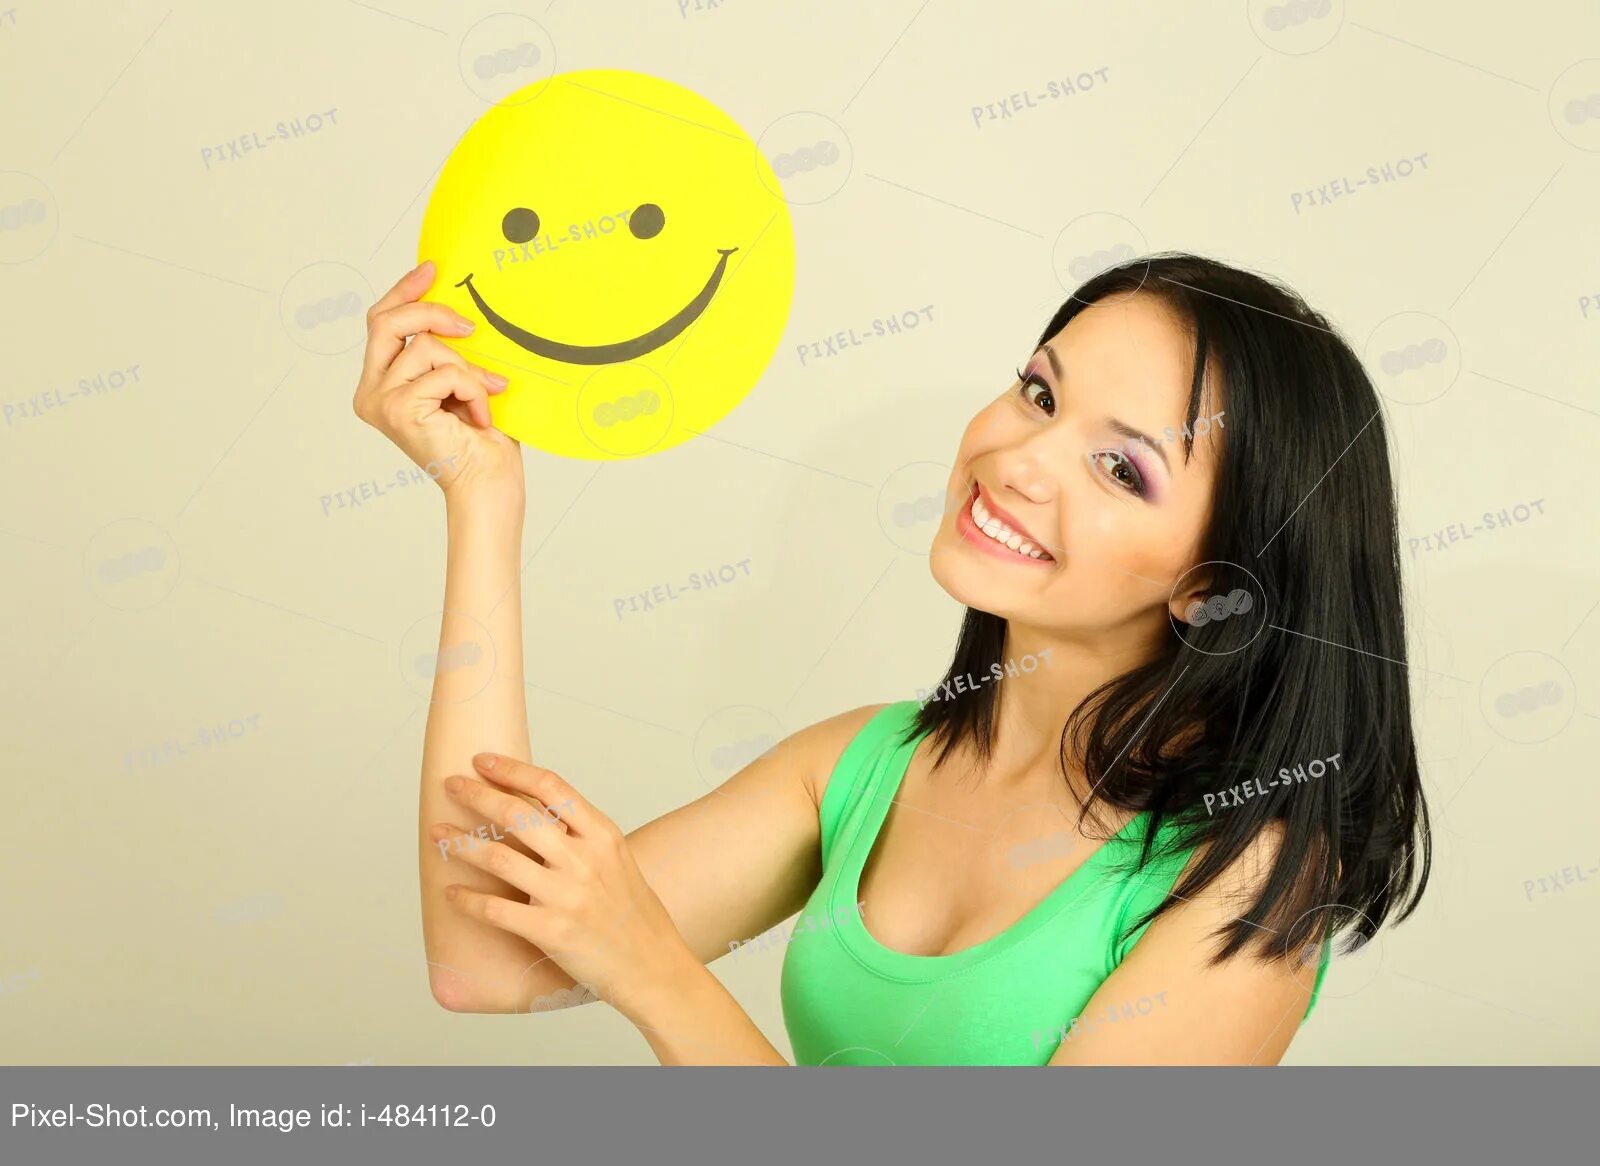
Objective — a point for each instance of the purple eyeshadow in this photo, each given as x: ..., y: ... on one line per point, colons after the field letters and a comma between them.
x: 1145, y: 465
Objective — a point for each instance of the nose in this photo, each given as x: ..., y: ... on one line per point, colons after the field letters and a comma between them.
x: 1023, y: 472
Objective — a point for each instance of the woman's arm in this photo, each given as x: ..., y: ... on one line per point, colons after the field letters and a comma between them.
x: 434, y: 405
x: 638, y: 916
x: 479, y: 705
x: 729, y: 865
x: 1172, y: 1008
x: 691, y: 1019
x: 586, y: 899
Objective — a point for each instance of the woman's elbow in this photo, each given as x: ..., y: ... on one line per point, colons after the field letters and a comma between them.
x: 456, y: 992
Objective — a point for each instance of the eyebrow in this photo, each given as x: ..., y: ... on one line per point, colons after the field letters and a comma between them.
x: 1145, y: 439
x: 1055, y: 363
x: 1120, y: 427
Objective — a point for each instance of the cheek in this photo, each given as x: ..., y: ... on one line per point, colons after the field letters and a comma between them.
x: 983, y: 434
x: 1130, y: 551
x: 989, y: 426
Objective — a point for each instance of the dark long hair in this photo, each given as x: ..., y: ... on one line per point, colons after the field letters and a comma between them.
x: 1303, y: 522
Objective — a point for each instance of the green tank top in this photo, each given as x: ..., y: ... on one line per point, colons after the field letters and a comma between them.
x: 1011, y: 1000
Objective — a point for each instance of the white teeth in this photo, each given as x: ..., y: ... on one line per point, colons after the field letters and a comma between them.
x: 1000, y: 532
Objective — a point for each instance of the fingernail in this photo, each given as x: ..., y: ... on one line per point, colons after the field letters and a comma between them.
x: 484, y: 760
x: 453, y: 784
x: 420, y: 266
x: 464, y: 324
x: 496, y: 380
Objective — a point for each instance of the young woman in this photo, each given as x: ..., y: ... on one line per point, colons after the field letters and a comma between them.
x: 1171, y: 760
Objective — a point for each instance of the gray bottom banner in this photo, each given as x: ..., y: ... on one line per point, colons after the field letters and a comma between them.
x: 179, y: 1115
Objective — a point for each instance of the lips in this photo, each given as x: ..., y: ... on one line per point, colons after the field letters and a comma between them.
x: 1006, y: 517
x: 1028, y: 549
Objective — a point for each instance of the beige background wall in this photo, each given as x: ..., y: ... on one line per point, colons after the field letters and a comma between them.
x: 255, y: 901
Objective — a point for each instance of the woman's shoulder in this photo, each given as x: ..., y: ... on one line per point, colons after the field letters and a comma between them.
x: 827, y: 740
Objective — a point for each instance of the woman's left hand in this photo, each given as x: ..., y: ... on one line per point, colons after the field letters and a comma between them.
x: 590, y: 908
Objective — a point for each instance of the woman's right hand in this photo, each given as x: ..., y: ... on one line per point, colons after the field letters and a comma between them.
x: 427, y: 398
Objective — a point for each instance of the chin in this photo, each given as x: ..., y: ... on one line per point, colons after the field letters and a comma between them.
x: 962, y: 579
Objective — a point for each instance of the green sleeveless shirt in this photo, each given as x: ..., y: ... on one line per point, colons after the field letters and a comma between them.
x: 1011, y: 1000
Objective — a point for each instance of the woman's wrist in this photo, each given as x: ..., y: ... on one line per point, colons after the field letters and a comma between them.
x: 475, y: 504
x: 688, y: 1017
x: 656, y: 997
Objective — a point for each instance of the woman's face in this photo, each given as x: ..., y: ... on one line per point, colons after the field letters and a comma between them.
x: 1057, y: 460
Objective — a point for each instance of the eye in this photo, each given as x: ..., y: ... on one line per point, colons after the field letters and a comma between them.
x: 1045, y: 399
x: 519, y: 225
x: 1117, y: 466
x: 647, y: 221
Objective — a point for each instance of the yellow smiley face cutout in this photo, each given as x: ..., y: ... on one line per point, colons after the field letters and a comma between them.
x: 626, y: 254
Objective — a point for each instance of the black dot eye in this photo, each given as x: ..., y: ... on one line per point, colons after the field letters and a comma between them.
x: 519, y: 225
x: 647, y: 221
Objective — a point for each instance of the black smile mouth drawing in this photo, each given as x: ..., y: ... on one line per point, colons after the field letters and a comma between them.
x: 605, y: 353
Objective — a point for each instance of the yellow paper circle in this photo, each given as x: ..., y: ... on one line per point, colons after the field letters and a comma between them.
x: 618, y: 242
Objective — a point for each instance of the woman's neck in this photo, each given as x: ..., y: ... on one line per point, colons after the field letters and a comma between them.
x: 1045, y: 677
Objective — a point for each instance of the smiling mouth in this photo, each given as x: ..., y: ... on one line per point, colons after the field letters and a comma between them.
x: 978, y: 525
x: 604, y: 353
